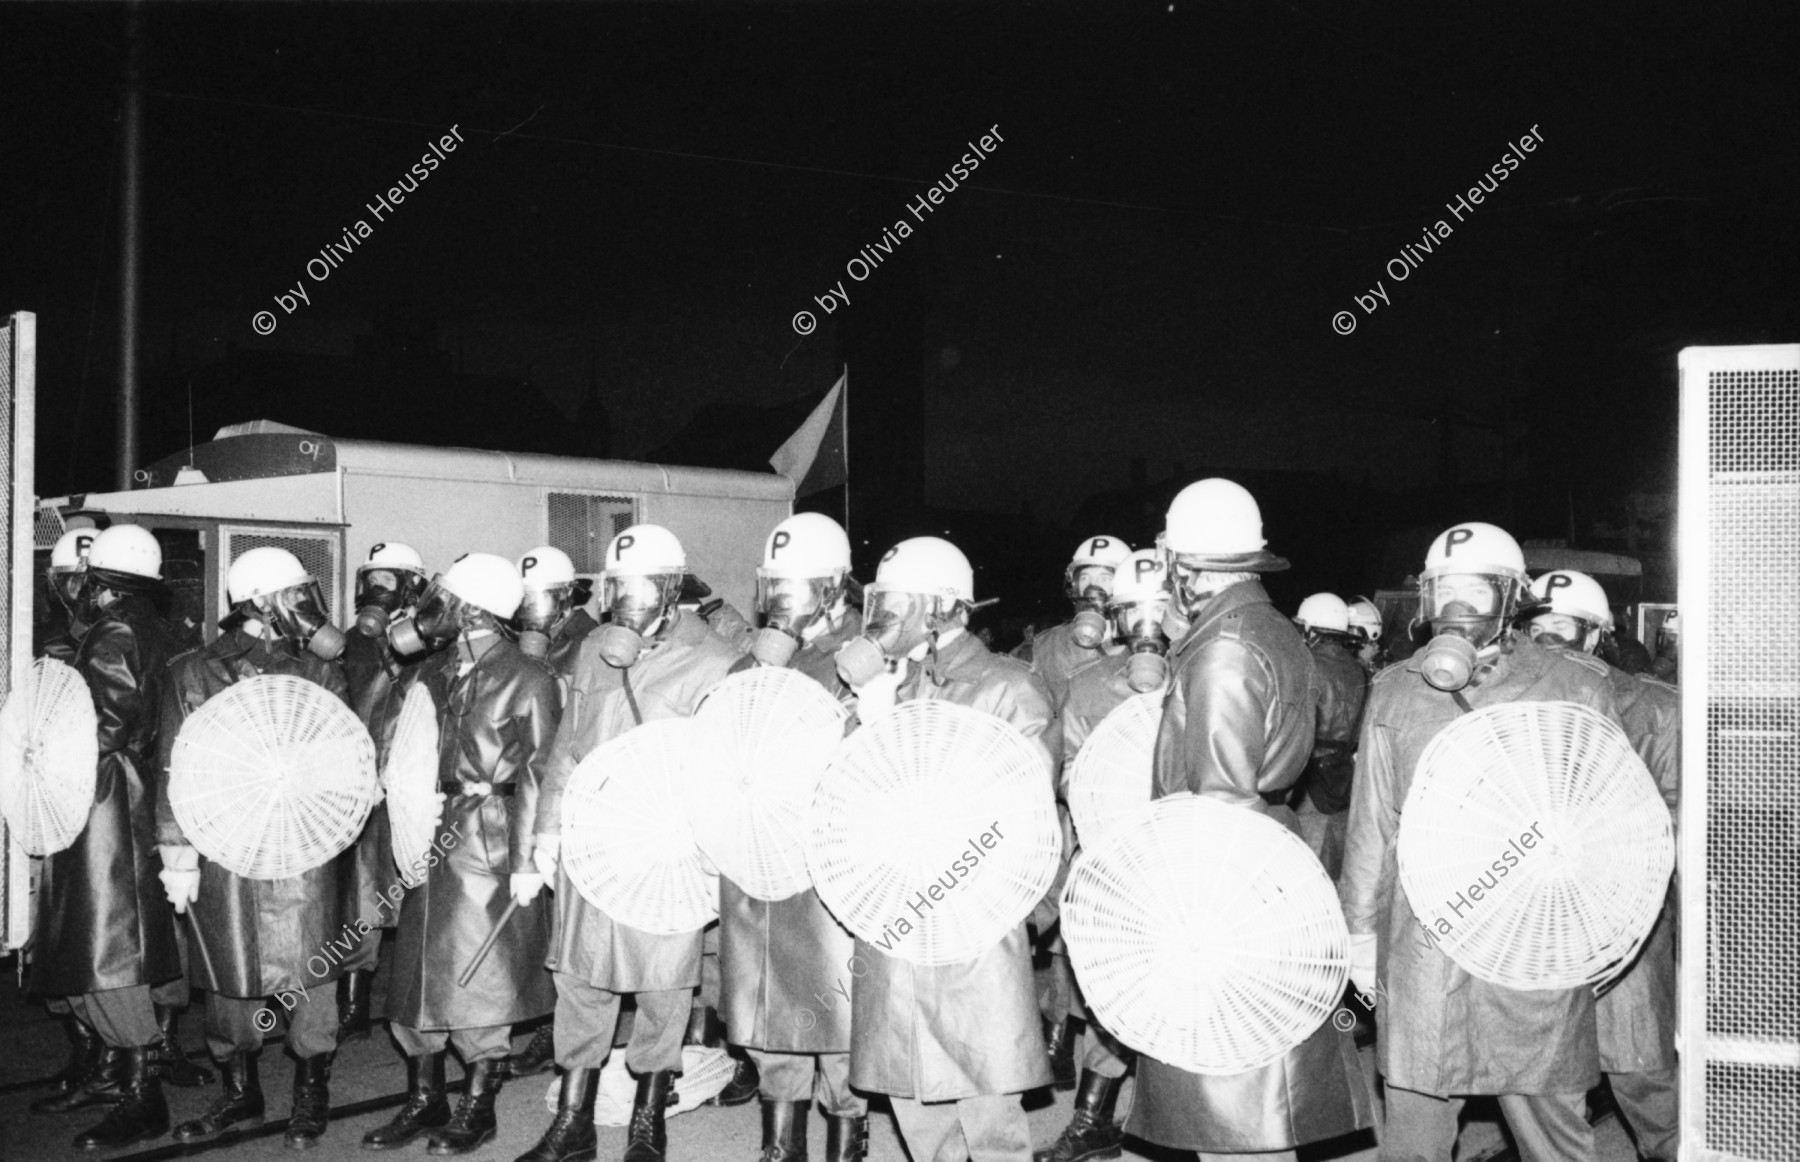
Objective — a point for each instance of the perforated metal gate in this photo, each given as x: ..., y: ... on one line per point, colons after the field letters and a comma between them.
x: 321, y: 553
x: 1740, y: 811
x: 18, y: 422
x: 581, y: 524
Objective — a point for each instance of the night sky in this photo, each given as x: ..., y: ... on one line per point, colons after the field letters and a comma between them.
x: 1146, y: 267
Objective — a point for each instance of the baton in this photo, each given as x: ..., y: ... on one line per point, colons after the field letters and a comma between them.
x: 481, y: 954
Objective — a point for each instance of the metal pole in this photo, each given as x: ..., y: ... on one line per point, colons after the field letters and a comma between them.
x: 845, y: 411
x: 130, y: 244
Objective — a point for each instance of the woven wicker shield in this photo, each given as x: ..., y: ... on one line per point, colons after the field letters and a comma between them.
x: 49, y: 753
x: 766, y: 736
x: 410, y: 779
x: 897, y: 850
x: 1205, y: 935
x: 1534, y: 846
x: 626, y: 840
x: 1110, y: 778
x: 272, y: 777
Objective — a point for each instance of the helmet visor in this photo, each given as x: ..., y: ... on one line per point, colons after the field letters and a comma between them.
x: 1558, y: 629
x: 440, y: 615
x: 1091, y: 582
x: 1133, y: 620
x: 1475, y: 606
x: 543, y: 608
x: 298, y: 611
x: 792, y: 603
x: 636, y: 602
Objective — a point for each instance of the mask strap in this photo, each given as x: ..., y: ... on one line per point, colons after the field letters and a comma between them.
x: 630, y: 697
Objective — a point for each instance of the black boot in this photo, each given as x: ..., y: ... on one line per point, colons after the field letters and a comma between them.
x: 353, y: 1005
x: 84, y: 1051
x: 846, y: 1139
x: 571, y: 1136
x: 647, y: 1139
x: 426, y: 1106
x: 312, y: 1102
x: 472, y: 1126
x: 706, y: 1029
x: 103, y: 1086
x: 784, y: 1131
x: 1090, y: 1133
x: 141, y: 1114
x: 167, y: 1059
x: 536, y: 1057
x: 1060, y: 1039
x: 240, y: 1101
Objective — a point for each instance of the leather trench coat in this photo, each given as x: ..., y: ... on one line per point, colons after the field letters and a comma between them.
x: 1343, y: 689
x: 565, y: 644
x: 1636, y: 1017
x: 374, y: 673
x: 1093, y: 691
x: 1441, y: 1030
x: 103, y: 920
x: 972, y: 1028
x: 496, y: 723
x: 1054, y: 657
x: 677, y: 668
x: 253, y: 938
x: 1238, y: 726
x: 785, y: 964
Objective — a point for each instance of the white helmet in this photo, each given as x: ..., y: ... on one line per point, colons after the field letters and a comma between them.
x: 487, y: 581
x: 1475, y: 547
x: 1366, y: 617
x: 1142, y: 576
x: 1575, y: 595
x: 259, y: 572
x: 1219, y: 521
x: 1108, y: 552
x: 928, y: 565
x: 807, y: 544
x: 71, y: 551
x: 1325, y: 613
x: 394, y: 555
x: 129, y: 549
x: 644, y: 551
x: 546, y: 567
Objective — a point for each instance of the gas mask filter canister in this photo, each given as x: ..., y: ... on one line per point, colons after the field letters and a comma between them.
x: 1448, y: 662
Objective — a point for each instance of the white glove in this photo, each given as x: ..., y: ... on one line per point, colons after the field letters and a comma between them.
x: 525, y: 887
x: 1362, y: 967
x: 876, y: 699
x: 545, y: 855
x: 180, y: 875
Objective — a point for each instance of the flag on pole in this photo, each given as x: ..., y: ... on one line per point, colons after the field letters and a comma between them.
x: 814, y: 457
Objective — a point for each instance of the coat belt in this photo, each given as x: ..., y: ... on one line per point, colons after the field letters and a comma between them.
x: 499, y: 790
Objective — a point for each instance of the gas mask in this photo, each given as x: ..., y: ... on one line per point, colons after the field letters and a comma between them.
x: 636, y: 608
x: 381, y: 594
x: 895, y: 623
x: 542, y: 611
x: 438, y: 622
x: 1468, y: 613
x: 793, y: 609
x: 66, y: 588
x: 1192, y: 586
x: 1139, y: 624
x: 1560, y: 631
x: 1089, y: 587
x: 297, y: 613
